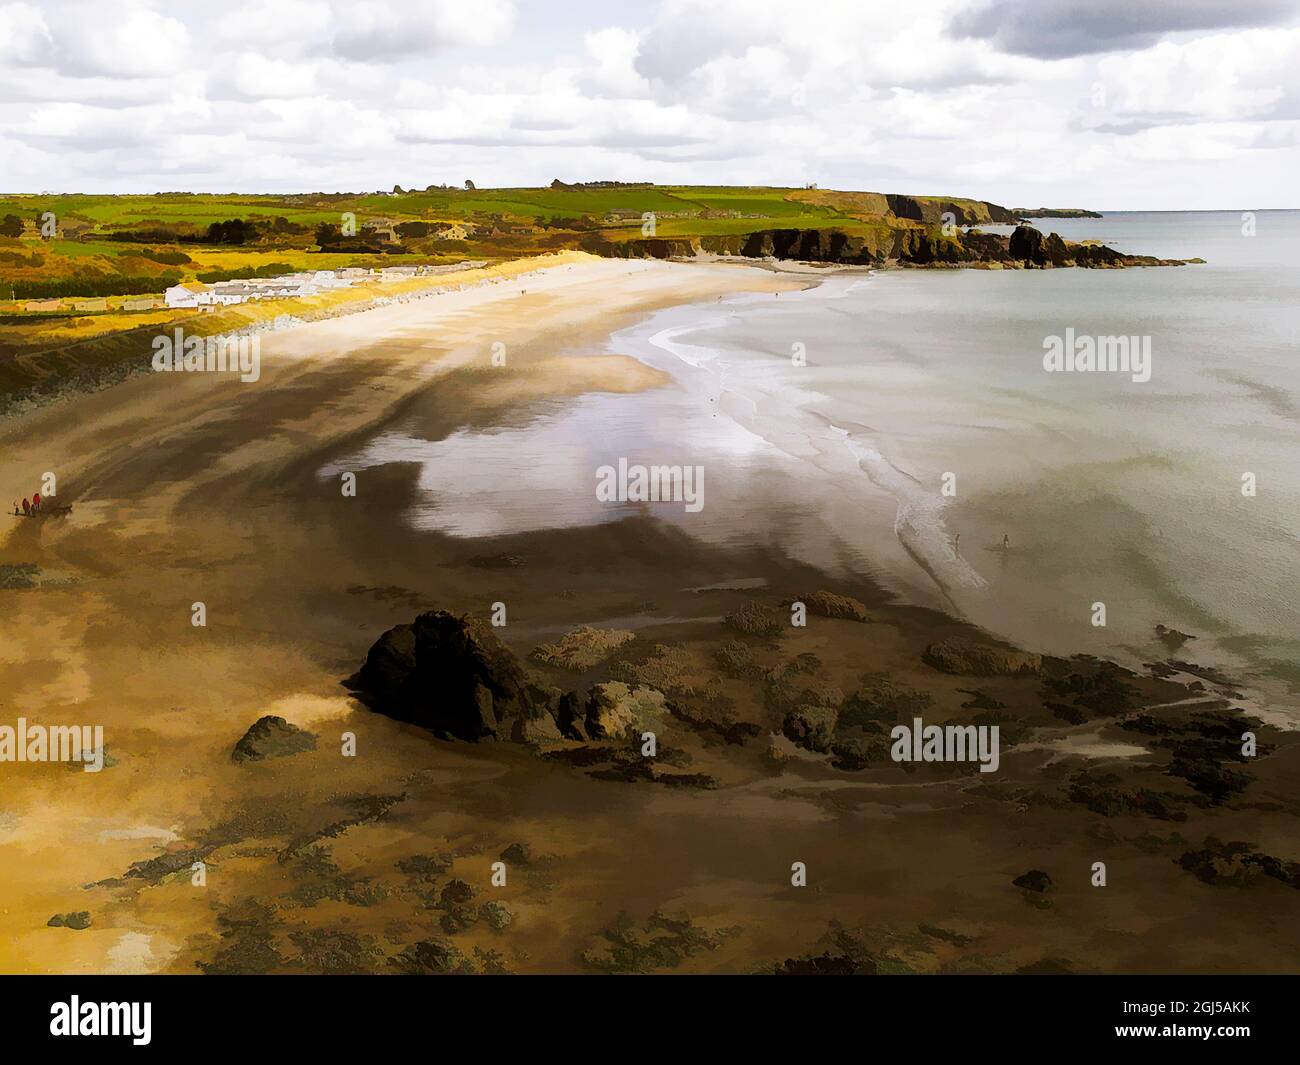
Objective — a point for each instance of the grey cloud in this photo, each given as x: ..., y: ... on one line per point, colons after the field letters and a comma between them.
x: 671, y: 51
x: 1058, y: 29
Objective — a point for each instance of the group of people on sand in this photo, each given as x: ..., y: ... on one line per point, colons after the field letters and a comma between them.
x: 30, y: 506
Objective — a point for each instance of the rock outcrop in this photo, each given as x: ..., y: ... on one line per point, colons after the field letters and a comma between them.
x: 901, y: 241
x: 78, y: 921
x: 812, y: 727
x: 272, y: 737
x: 967, y: 657
x: 1034, y: 880
x: 756, y: 619
x: 616, y: 709
x: 452, y: 676
x: 831, y: 605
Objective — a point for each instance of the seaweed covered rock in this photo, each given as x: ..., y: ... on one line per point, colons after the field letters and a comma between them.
x: 756, y: 619
x: 1237, y: 864
x: 582, y: 648
x: 812, y: 727
x: 272, y: 737
x: 617, y: 709
x: 832, y: 605
x: 962, y: 656
x: 450, y: 675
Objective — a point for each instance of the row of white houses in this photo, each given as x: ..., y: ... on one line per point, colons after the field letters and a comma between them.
x: 286, y: 286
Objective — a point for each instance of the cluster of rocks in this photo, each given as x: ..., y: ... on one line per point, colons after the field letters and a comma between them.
x: 903, y: 244
x: 453, y: 676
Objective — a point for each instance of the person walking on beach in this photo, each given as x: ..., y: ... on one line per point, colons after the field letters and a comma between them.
x: 1006, y: 542
x: 36, y: 502
x: 956, y: 544
x: 27, y: 506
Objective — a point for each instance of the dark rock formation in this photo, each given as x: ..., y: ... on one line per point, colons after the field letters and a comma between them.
x: 272, y: 737
x: 1237, y: 864
x: 78, y: 921
x: 1026, y: 244
x: 517, y: 854
x: 450, y: 675
x: 812, y: 727
x: 901, y: 240
x: 1034, y: 880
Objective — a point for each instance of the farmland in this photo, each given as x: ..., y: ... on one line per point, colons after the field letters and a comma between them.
x: 82, y: 276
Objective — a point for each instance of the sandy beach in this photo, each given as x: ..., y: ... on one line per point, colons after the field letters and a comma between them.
x: 197, y: 488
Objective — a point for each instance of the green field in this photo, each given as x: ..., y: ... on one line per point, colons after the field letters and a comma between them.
x: 114, y: 245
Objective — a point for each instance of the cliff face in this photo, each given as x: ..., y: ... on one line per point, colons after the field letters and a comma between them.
x: 931, y: 211
x: 1025, y: 248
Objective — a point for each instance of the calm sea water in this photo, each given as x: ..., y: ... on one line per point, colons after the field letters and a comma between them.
x: 1107, y: 490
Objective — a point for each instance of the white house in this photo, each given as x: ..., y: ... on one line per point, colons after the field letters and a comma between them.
x: 190, y: 294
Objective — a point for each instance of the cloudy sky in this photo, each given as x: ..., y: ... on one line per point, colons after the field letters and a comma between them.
x: 1112, y: 104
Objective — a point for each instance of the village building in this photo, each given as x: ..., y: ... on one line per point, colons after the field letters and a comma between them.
x: 190, y: 294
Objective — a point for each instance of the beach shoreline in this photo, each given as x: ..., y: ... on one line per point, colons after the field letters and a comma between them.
x: 192, y: 490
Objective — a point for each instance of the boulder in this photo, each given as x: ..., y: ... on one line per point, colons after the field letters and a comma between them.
x: 830, y: 605
x: 536, y: 731
x: 967, y: 657
x: 1026, y: 245
x: 517, y: 854
x: 812, y: 727
x: 1034, y: 880
x: 78, y: 921
x: 450, y: 675
x: 755, y: 619
x: 272, y: 737
x: 571, y: 717
x: 616, y: 709
x: 1055, y: 250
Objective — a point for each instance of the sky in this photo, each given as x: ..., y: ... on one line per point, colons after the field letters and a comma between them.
x: 1105, y: 104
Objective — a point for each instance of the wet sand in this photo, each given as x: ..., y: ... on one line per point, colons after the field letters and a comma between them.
x: 192, y: 489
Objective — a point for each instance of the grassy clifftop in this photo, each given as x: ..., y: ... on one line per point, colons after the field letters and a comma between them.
x: 79, y: 245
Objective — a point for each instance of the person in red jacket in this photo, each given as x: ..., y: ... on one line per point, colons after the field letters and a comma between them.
x: 36, y: 501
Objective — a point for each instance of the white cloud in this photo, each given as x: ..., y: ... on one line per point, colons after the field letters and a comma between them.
x: 369, y: 30
x: 120, y: 40
x: 25, y: 39
x: 333, y: 94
